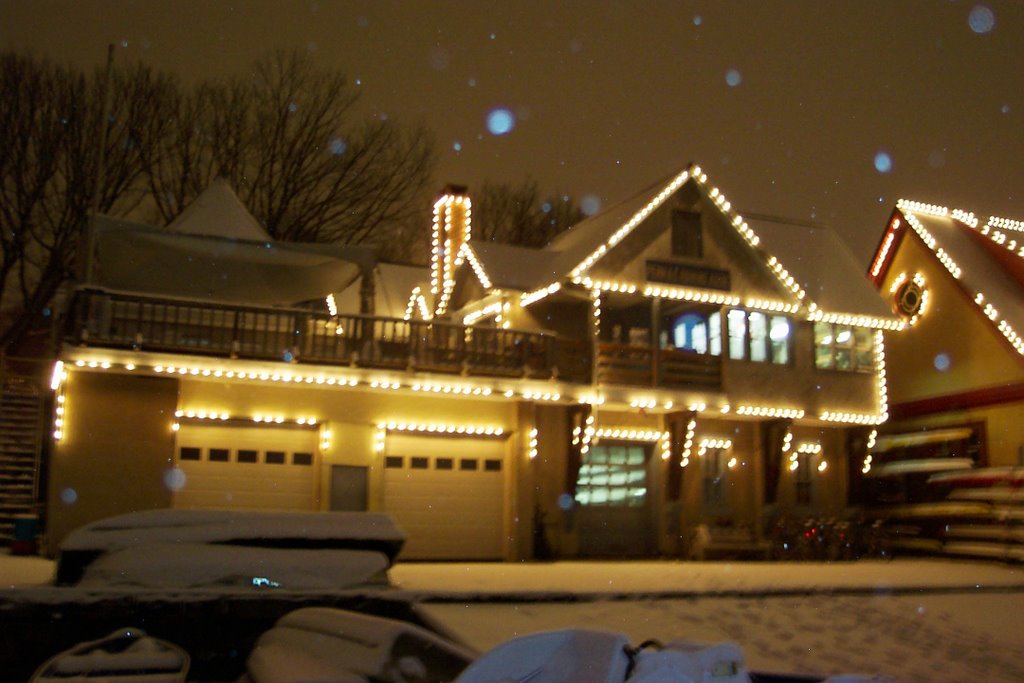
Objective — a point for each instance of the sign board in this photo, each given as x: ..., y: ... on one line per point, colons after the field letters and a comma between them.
x: 681, y: 274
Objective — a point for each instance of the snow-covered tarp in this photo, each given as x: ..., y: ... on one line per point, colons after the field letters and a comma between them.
x: 259, y: 529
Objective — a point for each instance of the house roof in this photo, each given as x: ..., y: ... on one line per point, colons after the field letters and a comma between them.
x: 812, y: 263
x: 985, y: 260
x: 821, y: 263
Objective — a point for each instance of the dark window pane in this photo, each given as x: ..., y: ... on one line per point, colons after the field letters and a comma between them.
x: 394, y: 462
x: 302, y: 458
x: 189, y: 453
x: 419, y: 463
x: 275, y: 457
x: 468, y: 464
x: 443, y: 463
x: 687, y: 239
x: 492, y: 465
x: 219, y: 455
x: 247, y: 456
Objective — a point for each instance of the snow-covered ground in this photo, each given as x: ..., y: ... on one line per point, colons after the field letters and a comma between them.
x: 911, y: 620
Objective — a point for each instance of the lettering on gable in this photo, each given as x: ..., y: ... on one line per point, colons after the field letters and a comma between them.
x: 688, y: 276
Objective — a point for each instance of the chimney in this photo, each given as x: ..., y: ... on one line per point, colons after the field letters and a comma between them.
x: 451, y: 230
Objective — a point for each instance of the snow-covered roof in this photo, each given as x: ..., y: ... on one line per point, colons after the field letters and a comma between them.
x: 986, y: 260
x: 218, y: 212
x: 822, y: 264
x: 814, y: 266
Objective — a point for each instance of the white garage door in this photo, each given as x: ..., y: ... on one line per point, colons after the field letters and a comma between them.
x: 448, y: 495
x: 239, y: 467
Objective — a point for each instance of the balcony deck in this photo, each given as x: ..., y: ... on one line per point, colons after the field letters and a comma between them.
x: 125, y: 321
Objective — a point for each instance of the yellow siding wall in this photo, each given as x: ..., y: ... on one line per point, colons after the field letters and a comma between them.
x: 117, y: 447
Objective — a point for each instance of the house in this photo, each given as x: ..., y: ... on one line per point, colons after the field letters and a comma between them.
x: 956, y: 374
x: 663, y: 364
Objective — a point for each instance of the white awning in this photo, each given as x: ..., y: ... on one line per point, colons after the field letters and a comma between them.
x: 891, y: 442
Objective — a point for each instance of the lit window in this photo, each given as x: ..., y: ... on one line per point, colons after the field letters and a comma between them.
x: 694, y: 332
x: 759, y: 337
x: 613, y: 475
x: 841, y: 347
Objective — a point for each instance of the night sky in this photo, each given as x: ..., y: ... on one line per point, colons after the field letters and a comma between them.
x: 821, y: 111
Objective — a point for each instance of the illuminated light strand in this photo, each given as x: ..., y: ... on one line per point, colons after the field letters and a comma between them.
x: 965, y: 217
x: 58, y: 375
x: 202, y: 414
x: 697, y: 407
x: 432, y: 428
x: 59, y: 411
x: 944, y: 258
x: 870, y: 445
x: 628, y: 227
x: 477, y: 266
x: 488, y: 311
x: 417, y: 300
x: 686, y: 294
x: 538, y: 294
x: 457, y: 213
x: 809, y: 447
x: 332, y: 305
x: 818, y: 315
x: 708, y: 444
x: 921, y: 207
x: 531, y: 451
x: 325, y: 439
x: 883, y: 387
x: 666, y: 446
x: 785, y: 278
x: 1006, y: 223
x: 436, y: 388
x: 883, y: 251
x: 592, y: 399
x: 691, y: 430
x: 629, y: 434
x: 851, y: 418
x: 643, y: 403
x: 919, y: 280
x: 541, y: 396
x: 766, y: 411
x: 771, y: 306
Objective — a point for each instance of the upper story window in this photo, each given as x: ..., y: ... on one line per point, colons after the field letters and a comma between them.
x: 759, y: 337
x: 687, y: 235
x: 696, y: 332
x: 842, y: 347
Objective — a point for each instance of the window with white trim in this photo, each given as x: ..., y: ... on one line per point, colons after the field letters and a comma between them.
x: 842, y: 347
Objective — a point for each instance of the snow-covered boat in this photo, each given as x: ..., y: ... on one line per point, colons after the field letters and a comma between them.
x: 127, y: 655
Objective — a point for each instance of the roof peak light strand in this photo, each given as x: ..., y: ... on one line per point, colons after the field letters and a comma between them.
x: 923, y: 208
x: 636, y: 219
x: 929, y: 240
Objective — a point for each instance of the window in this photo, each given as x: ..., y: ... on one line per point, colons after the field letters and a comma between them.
x: 419, y: 463
x: 687, y: 237
x: 189, y: 453
x: 247, y: 456
x: 492, y: 466
x: 275, y: 457
x: 713, y: 469
x: 219, y: 455
x: 394, y: 462
x: 841, y: 347
x: 302, y: 458
x: 613, y: 475
x: 443, y: 463
x: 694, y: 332
x: 759, y: 337
x: 468, y: 464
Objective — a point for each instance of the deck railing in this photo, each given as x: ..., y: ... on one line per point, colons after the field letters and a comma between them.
x: 647, y: 367
x: 115, y: 320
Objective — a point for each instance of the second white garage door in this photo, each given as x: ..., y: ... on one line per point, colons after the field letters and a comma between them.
x: 448, y: 495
